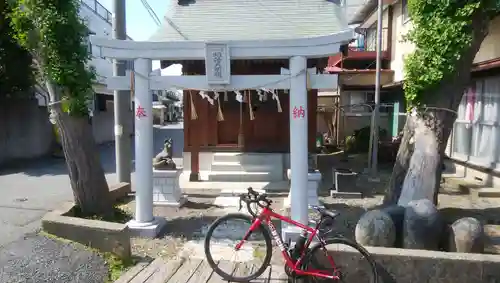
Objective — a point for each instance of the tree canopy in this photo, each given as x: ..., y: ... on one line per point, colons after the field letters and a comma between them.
x: 55, y: 35
x: 16, y: 71
x: 443, y: 32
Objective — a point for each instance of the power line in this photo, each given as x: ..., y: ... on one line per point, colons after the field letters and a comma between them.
x: 151, y: 12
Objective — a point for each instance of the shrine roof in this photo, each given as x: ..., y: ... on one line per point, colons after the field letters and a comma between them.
x: 220, y: 20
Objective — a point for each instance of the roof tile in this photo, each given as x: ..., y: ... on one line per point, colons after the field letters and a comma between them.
x: 213, y: 20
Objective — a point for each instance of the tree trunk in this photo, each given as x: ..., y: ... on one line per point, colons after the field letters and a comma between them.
x: 401, y: 164
x: 417, y: 171
x: 418, y: 168
x: 88, y: 182
x: 424, y: 169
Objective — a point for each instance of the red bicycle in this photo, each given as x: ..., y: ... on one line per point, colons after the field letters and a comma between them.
x: 301, y: 261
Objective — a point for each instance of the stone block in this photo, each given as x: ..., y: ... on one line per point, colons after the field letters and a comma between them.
x: 422, y: 226
x: 166, y: 189
x: 344, y: 184
x: 313, y: 180
x: 410, y: 266
x: 467, y: 236
x: 119, y: 191
x: 397, y: 214
x: 375, y: 228
x: 101, y: 235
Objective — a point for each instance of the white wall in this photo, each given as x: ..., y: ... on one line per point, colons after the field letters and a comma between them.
x: 98, y: 20
x: 25, y: 130
x: 95, y: 19
x: 490, y: 48
x: 400, y: 48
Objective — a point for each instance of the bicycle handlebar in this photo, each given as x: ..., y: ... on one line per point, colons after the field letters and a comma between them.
x: 254, y: 197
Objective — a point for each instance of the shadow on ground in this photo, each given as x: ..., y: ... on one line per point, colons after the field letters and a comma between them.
x: 345, y: 223
x: 487, y: 215
x: 357, y: 163
x: 56, y: 166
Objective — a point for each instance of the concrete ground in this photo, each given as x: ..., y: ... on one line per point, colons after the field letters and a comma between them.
x: 31, y: 189
x: 34, y: 188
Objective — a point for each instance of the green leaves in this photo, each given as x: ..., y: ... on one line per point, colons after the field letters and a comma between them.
x: 55, y: 34
x: 16, y: 70
x: 442, y: 33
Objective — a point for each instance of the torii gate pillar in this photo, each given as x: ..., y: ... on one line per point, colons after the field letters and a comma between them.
x: 144, y: 223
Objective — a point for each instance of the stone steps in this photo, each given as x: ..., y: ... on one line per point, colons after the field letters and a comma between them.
x: 458, y: 185
x: 487, y: 192
x: 234, y: 166
x: 239, y: 176
x: 244, y: 158
x: 245, y: 167
x: 461, y: 186
x: 226, y: 156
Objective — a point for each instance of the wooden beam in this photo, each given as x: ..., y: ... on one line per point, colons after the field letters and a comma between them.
x: 238, y: 82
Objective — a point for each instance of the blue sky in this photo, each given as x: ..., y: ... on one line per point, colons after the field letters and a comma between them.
x: 140, y: 25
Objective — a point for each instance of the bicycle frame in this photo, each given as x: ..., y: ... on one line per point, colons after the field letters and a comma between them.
x: 267, y: 215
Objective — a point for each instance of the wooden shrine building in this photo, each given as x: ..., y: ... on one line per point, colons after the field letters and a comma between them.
x: 225, y: 140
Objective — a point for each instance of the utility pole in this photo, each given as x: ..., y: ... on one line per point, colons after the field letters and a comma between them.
x: 123, y: 156
x: 376, y: 109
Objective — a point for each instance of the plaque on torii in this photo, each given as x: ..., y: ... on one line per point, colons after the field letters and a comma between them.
x: 217, y: 64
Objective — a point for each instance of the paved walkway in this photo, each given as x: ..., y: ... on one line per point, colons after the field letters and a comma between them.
x: 33, y: 188
x: 191, y: 271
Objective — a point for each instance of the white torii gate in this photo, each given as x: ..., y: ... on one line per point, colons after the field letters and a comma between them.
x: 217, y: 56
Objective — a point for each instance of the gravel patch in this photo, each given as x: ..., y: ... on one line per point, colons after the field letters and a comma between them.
x: 183, y: 224
x: 38, y: 258
x: 190, y: 222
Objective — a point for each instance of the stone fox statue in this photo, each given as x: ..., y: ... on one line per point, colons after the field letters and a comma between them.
x: 163, y: 160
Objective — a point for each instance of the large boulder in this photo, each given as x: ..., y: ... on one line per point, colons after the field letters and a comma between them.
x: 466, y: 236
x: 375, y: 228
x: 397, y: 214
x: 422, y: 225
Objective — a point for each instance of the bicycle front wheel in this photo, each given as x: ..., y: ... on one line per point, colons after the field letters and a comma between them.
x: 246, y: 263
x: 355, y: 265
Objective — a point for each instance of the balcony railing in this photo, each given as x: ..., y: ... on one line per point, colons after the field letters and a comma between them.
x: 99, y: 9
x: 368, y: 41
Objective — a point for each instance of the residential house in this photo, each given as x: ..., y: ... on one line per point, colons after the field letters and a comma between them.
x: 328, y: 99
x: 356, y: 68
x: 165, y: 104
x: 99, y: 23
x: 472, y: 144
x: 476, y: 133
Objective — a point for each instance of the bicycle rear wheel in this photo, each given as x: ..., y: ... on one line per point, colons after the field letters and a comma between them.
x: 357, y: 265
x: 220, y: 241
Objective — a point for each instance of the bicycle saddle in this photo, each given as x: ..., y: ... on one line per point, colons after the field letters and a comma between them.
x: 325, y: 212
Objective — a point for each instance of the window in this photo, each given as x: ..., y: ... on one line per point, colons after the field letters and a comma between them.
x: 476, y: 128
x: 404, y: 11
x: 371, y: 38
x: 101, y: 102
x: 88, y: 43
x: 357, y: 100
x: 361, y: 101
